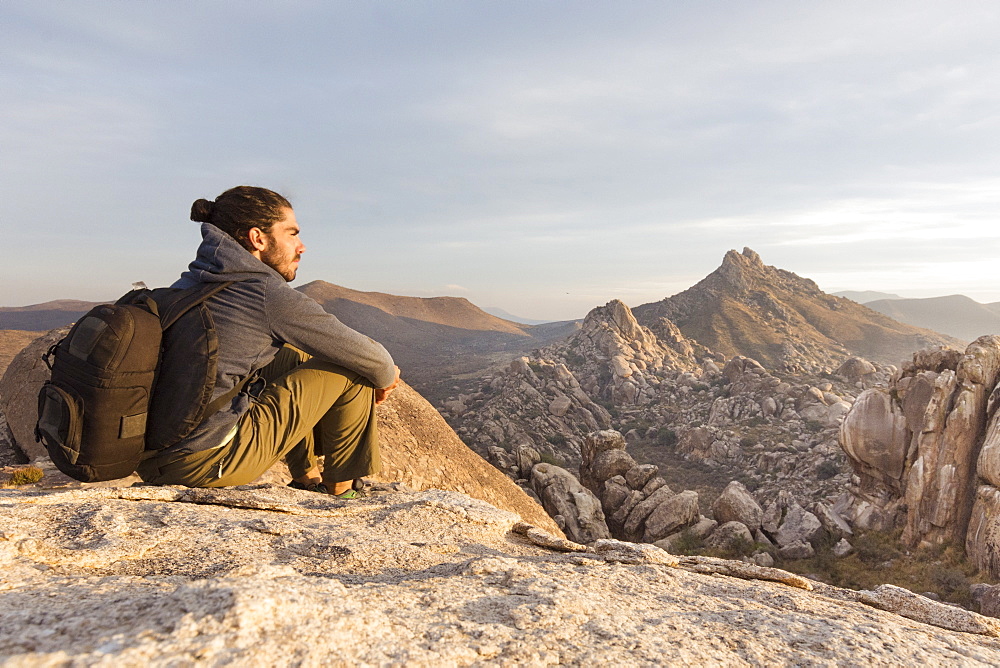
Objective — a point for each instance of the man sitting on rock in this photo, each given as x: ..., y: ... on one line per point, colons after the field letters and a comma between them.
x: 319, y: 380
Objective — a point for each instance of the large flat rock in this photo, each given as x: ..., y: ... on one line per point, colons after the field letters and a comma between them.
x: 268, y: 575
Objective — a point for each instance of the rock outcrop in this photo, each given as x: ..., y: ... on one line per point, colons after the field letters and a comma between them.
x: 19, y: 387
x: 736, y: 504
x: 552, y: 401
x: 925, y: 451
x: 573, y: 507
x: 166, y: 576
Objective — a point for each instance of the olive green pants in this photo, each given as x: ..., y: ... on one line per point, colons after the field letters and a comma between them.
x: 309, y: 408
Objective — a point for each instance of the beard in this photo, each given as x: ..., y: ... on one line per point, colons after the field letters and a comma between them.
x: 281, y: 263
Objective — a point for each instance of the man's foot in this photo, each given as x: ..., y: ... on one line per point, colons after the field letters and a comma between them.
x: 295, y: 484
x: 322, y: 488
x: 309, y: 486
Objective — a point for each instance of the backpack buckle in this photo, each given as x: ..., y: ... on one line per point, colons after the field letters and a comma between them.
x: 48, y: 355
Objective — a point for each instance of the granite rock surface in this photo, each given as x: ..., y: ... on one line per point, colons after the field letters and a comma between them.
x: 169, y: 576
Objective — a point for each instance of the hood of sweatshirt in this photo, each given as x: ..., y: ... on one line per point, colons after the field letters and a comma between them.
x: 221, y: 258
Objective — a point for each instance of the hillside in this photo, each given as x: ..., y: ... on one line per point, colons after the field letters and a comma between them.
x: 784, y: 321
x: 454, y: 312
x: 43, y: 317
x: 437, y: 340
x: 955, y: 315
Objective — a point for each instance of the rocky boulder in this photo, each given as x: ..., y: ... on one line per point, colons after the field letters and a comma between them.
x: 670, y: 515
x: 855, y: 368
x: 573, y: 507
x: 733, y: 537
x: 798, y: 526
x: 602, y: 457
x: 736, y: 504
x: 19, y: 387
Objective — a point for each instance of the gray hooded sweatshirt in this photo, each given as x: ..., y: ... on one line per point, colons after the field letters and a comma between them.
x: 254, y: 317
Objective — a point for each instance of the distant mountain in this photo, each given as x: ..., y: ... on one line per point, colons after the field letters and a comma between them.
x: 782, y: 320
x: 434, y: 340
x: 865, y: 296
x: 500, y: 313
x: 956, y: 315
x: 43, y: 317
x: 448, y: 311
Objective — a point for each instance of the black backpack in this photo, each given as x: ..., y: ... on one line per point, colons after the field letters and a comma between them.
x: 130, y: 377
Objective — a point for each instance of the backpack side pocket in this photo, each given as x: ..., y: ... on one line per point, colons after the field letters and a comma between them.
x: 60, y: 424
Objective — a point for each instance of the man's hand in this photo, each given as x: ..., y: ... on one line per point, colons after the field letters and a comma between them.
x: 382, y: 393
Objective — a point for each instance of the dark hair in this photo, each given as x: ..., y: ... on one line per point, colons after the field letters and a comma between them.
x: 239, y: 209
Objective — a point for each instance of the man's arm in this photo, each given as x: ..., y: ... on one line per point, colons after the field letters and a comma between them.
x: 299, y: 320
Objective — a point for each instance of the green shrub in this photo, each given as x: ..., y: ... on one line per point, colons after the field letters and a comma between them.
x: 827, y: 470
x: 26, y: 475
x: 547, y: 458
x: 877, y: 547
x: 666, y: 437
x: 687, y: 543
x: 556, y: 439
x: 734, y: 550
x: 814, y: 426
x: 948, y: 580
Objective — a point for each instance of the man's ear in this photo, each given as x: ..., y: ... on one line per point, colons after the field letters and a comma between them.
x: 257, y: 239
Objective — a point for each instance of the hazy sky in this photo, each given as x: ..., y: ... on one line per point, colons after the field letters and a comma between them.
x: 542, y: 157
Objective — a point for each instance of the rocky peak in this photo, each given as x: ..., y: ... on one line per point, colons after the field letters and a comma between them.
x: 782, y: 320
x: 741, y: 270
x: 612, y: 330
x: 616, y: 317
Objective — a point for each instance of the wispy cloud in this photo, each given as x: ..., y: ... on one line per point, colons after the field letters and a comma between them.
x: 517, y: 153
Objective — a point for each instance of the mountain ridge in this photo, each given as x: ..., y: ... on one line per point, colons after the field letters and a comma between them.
x: 783, y: 320
x: 955, y: 315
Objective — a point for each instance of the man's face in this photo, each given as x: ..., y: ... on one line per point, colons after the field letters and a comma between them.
x: 283, y: 247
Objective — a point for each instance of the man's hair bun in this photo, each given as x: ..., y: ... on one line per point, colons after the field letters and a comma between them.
x: 201, y: 211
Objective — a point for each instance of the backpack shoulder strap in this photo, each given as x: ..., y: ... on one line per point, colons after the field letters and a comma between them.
x: 187, y: 300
